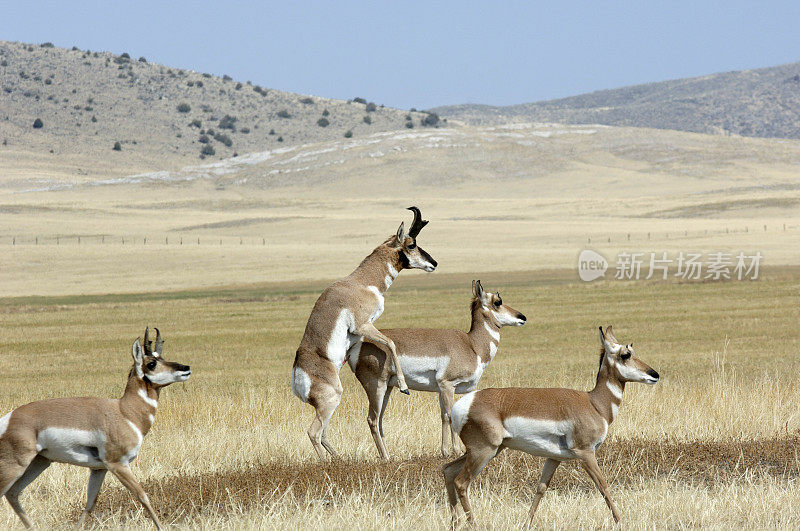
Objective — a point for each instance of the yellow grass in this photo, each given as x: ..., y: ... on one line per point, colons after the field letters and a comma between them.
x: 727, y: 353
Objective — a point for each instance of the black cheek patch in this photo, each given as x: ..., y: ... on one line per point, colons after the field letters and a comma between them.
x: 404, y: 264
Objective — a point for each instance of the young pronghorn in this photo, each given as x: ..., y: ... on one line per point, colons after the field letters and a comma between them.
x: 101, y: 434
x: 342, y: 318
x: 442, y: 361
x: 559, y: 424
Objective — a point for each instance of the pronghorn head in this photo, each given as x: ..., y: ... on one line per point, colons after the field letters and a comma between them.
x: 151, y: 367
x: 493, y: 308
x: 411, y: 255
x: 622, y: 361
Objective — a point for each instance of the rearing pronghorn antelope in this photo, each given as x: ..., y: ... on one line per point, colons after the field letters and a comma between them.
x: 559, y: 424
x: 443, y: 361
x: 342, y: 318
x: 101, y: 434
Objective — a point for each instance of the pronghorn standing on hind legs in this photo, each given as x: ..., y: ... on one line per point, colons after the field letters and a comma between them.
x: 101, y: 434
x: 559, y: 424
x: 342, y: 318
x: 444, y: 361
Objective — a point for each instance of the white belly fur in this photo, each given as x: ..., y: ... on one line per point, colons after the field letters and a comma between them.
x: 422, y: 373
x: 76, y: 447
x: 4, y: 423
x: 545, y: 438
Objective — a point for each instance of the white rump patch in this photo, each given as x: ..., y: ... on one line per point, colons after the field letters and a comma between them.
x: 460, y: 412
x: 150, y: 401
x: 614, y: 410
x: 379, y: 309
x: 76, y: 447
x: 494, y: 333
x: 545, y: 438
x: 4, y: 423
x: 301, y: 384
x: 353, y: 354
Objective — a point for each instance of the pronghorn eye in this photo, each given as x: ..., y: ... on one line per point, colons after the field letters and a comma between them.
x: 412, y: 246
x: 152, y: 365
x: 626, y: 356
x: 498, y: 303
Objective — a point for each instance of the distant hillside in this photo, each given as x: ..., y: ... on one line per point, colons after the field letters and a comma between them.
x: 88, y: 101
x: 759, y: 103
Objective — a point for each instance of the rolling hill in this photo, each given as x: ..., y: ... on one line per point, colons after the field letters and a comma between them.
x: 162, y: 117
x: 758, y: 103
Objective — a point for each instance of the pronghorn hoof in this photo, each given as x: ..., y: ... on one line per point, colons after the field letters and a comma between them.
x: 405, y: 391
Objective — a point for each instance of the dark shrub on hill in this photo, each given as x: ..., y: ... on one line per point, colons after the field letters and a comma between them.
x: 38, y: 124
x: 228, y: 122
x: 367, y: 120
x: 306, y: 101
x: 208, y: 149
x: 360, y: 100
x: 117, y: 146
x: 283, y: 113
x: 323, y: 122
x: 371, y: 107
x: 348, y: 134
x: 223, y: 139
x: 184, y: 107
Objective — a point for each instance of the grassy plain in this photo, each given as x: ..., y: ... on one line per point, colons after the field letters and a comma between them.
x: 713, y: 444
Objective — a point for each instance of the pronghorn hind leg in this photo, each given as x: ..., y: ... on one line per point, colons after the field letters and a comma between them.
x: 325, y: 403
x: 383, y: 408
x: 376, y: 390
x: 96, y: 477
x: 450, y: 471
x: 477, y: 456
x: 549, y: 468
x: 376, y: 337
x: 38, y: 465
x: 125, y: 476
x: 589, y: 462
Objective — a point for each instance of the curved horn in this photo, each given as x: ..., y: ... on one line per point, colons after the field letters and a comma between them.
x: 418, y: 224
x: 159, y: 348
x: 147, y: 345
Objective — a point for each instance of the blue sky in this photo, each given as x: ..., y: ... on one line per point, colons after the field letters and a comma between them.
x: 423, y: 54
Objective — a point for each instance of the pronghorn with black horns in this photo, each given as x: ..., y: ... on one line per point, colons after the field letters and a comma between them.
x: 101, y: 434
x: 342, y: 318
x: 558, y: 424
x: 442, y: 361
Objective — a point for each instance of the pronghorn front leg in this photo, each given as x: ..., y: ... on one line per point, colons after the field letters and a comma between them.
x: 589, y: 462
x: 373, y: 335
x: 549, y: 468
x: 125, y: 476
x: 96, y: 477
x: 446, y: 396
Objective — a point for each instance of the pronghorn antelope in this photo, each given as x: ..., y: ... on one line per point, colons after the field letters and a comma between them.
x: 559, y: 424
x: 342, y: 318
x: 101, y: 434
x: 443, y: 361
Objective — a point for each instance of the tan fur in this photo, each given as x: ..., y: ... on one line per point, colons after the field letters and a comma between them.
x: 559, y: 424
x: 341, y: 320
x: 29, y: 443
x: 461, y: 354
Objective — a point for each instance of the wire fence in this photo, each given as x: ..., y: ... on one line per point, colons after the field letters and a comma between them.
x: 178, y: 240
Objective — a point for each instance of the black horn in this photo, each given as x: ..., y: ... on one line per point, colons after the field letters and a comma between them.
x: 147, y: 345
x: 418, y: 223
x: 159, y: 343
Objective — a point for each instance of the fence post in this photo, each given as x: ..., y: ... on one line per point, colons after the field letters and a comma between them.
x: 145, y: 240
x: 37, y: 240
x: 198, y: 240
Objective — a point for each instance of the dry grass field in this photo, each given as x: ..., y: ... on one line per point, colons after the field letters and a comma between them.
x: 714, y: 444
x: 237, y: 251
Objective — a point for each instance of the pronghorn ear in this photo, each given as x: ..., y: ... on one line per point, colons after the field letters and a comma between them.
x: 138, y: 354
x: 604, y: 340
x: 478, y: 289
x: 610, y: 334
x: 401, y: 234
